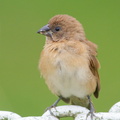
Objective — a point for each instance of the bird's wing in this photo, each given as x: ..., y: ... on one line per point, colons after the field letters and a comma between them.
x: 94, y: 64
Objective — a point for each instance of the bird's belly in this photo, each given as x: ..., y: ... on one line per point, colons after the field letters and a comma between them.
x: 70, y: 80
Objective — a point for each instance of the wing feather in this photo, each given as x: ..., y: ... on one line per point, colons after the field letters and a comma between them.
x: 94, y: 64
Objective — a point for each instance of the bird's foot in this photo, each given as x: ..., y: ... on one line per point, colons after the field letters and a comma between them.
x: 91, y: 115
x: 53, y: 106
x: 92, y: 110
x: 49, y: 108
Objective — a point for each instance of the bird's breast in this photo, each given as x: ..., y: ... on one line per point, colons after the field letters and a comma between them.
x: 66, y: 73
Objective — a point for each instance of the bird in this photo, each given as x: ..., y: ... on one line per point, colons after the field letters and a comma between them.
x: 68, y: 62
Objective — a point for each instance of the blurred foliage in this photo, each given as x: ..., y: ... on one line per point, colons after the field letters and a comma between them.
x: 21, y: 88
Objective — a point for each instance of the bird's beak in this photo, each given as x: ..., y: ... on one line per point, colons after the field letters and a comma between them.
x: 45, y: 30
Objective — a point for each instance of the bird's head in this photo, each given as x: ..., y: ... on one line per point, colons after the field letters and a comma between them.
x: 63, y: 27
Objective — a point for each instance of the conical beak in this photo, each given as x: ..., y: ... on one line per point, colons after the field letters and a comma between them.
x: 44, y: 30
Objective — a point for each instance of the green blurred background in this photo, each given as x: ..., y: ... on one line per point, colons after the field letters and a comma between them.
x: 21, y: 89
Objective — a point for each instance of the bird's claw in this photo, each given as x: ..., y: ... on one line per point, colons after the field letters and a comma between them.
x: 53, y: 106
x: 91, y: 115
x: 49, y: 108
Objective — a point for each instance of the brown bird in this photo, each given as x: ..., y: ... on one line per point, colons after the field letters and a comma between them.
x: 68, y: 62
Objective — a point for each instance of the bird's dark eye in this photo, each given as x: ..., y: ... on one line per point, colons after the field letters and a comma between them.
x: 57, y: 29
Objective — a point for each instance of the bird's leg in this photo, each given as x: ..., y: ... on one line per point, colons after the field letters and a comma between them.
x: 92, y: 110
x: 53, y: 105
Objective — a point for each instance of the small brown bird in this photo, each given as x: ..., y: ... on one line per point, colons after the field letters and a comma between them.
x: 68, y: 62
